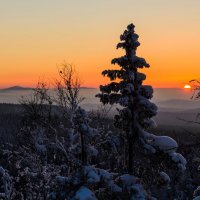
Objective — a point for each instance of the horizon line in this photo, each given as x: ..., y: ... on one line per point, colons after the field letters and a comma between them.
x: 89, y: 87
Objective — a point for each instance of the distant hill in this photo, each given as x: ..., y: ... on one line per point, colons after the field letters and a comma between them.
x: 19, y: 88
x: 15, y: 88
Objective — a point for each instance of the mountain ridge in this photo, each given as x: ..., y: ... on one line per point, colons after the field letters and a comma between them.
x: 15, y: 88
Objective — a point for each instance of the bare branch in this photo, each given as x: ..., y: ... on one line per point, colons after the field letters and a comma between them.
x: 68, y: 88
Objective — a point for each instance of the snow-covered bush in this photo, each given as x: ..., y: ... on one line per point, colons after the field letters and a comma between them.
x: 6, y: 184
x: 132, y: 186
x: 84, y: 194
x: 197, y: 198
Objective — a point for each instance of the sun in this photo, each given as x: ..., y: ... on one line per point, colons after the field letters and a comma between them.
x: 187, y: 86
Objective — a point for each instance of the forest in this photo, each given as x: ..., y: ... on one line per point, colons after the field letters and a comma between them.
x: 51, y: 148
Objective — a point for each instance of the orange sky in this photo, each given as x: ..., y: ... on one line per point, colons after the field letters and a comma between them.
x: 37, y: 36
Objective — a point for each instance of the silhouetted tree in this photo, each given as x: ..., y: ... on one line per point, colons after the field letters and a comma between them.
x: 37, y: 108
x: 195, y: 86
x: 68, y: 90
x: 127, y: 90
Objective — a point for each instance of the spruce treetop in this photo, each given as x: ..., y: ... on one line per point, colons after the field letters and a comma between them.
x: 126, y: 86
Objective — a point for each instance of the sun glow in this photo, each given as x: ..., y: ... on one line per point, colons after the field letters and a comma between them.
x: 187, y: 87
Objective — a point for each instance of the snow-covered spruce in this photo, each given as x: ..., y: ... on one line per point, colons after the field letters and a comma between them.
x: 126, y: 89
x: 77, y: 145
x: 84, y: 134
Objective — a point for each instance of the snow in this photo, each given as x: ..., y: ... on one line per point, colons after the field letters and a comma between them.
x: 81, y: 122
x: 139, y: 62
x: 181, y: 167
x: 92, y: 132
x: 40, y: 148
x: 129, y: 88
x: 92, y: 151
x: 150, y: 123
x: 141, y: 76
x: 84, y: 194
x: 91, y: 174
x: 126, y: 180
x: 164, y: 178
x: 83, y: 127
x: 7, y: 185
x: 147, y: 91
x: 146, y: 135
x: 123, y: 101
x: 179, y: 159
x: 72, y: 180
x: 197, y: 198
x: 2, y: 171
x: 114, y: 187
x: 131, y: 184
x: 2, y: 195
x: 62, y: 180
x: 137, y: 192
x: 96, y: 175
x: 149, y: 149
x: 106, y: 177
x: 197, y: 192
x: 164, y: 143
x: 144, y: 103
x: 131, y: 76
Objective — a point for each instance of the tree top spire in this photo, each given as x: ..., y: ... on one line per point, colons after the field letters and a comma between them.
x: 129, y: 39
x: 131, y: 27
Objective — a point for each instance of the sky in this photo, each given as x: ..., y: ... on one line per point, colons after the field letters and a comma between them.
x: 37, y: 36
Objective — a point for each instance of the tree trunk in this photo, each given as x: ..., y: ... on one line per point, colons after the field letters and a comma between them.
x: 130, y: 155
x: 83, y: 153
x: 132, y: 138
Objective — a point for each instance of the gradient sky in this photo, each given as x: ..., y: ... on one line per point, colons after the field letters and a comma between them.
x: 38, y: 35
